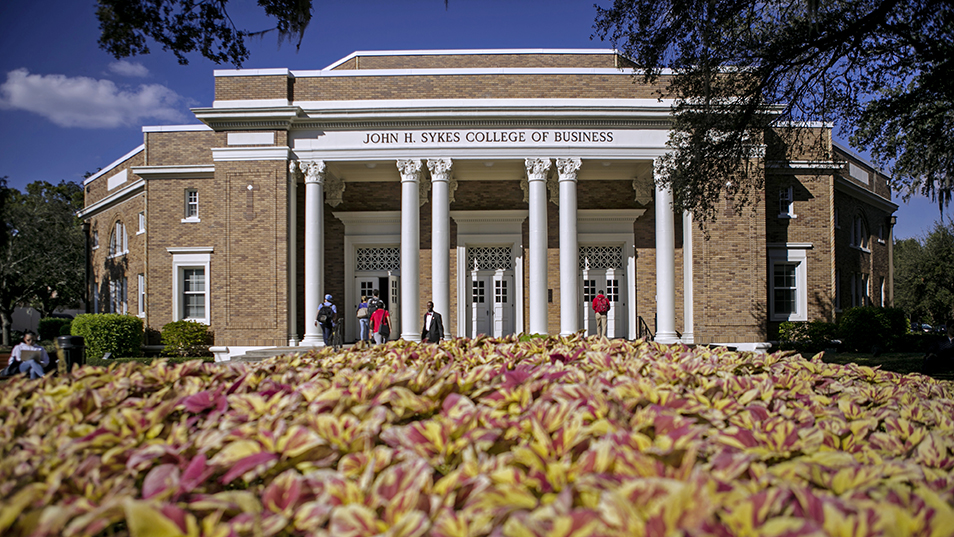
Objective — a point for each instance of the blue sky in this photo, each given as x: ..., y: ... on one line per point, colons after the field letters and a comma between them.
x: 67, y: 107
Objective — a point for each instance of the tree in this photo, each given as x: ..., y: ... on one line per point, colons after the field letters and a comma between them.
x: 924, y: 275
x: 187, y: 26
x: 42, y: 261
x: 884, y: 68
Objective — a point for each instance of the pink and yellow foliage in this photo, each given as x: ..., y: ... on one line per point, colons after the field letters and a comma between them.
x: 550, y: 437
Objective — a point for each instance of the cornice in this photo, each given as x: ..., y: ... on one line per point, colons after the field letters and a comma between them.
x: 113, y: 199
x: 174, y: 172
x: 847, y: 187
x: 265, y: 118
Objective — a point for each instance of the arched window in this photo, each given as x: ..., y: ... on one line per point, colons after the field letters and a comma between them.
x: 118, y: 243
x: 859, y: 233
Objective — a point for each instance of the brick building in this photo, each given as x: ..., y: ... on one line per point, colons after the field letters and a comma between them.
x: 506, y: 186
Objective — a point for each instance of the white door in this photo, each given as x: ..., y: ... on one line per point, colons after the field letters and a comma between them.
x: 394, y: 305
x: 609, y: 281
x: 491, y: 303
x: 364, y: 286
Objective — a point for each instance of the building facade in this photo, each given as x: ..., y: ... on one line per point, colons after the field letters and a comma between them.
x: 508, y: 187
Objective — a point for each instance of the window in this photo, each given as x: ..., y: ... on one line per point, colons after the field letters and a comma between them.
x: 860, y: 295
x: 837, y: 290
x: 118, y: 242
x: 117, y: 295
x: 786, y: 202
x: 881, y: 234
x: 141, y: 281
x: 589, y: 290
x: 500, y: 291
x: 193, y: 293
x: 788, y: 300
x: 882, y: 291
x: 95, y: 295
x: 859, y: 233
x: 191, y: 284
x: 142, y: 223
x: 191, y: 205
x: 477, y: 291
x: 95, y: 240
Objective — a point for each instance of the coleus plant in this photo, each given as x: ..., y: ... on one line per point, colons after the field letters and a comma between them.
x: 499, y: 437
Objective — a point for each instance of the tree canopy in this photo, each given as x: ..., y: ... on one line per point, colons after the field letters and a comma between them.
x: 187, y: 26
x: 883, y: 70
x: 924, y: 275
x: 42, y: 249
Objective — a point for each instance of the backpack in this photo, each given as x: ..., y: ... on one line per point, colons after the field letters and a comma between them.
x: 374, y: 304
x: 601, y: 304
x: 325, y: 313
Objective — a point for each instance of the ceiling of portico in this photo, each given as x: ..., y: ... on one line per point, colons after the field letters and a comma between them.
x: 493, y: 170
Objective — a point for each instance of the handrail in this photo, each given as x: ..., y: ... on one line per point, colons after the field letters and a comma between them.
x: 643, y: 329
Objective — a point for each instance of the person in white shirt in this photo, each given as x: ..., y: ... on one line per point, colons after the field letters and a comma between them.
x: 18, y: 365
x: 433, y: 330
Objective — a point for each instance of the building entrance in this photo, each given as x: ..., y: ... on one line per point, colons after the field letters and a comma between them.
x: 490, y: 302
x: 601, y: 270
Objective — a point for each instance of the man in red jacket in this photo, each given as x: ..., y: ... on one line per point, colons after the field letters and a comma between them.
x: 601, y: 305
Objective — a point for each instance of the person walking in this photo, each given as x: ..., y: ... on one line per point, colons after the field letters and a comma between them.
x: 364, y: 322
x: 433, y: 330
x: 27, y: 357
x: 327, y: 315
x: 601, y: 305
x: 381, y: 325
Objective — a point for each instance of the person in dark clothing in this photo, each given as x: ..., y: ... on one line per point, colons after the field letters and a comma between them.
x: 433, y: 330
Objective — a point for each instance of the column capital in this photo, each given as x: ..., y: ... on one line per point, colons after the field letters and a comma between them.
x: 410, y: 170
x: 293, y: 171
x: 538, y: 168
x: 567, y: 168
x: 334, y: 190
x: 440, y: 169
x: 314, y: 170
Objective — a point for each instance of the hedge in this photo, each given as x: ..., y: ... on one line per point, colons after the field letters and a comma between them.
x: 51, y: 327
x: 118, y: 334
x: 186, y: 338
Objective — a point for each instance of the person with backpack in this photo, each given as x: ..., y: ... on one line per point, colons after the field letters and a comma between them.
x: 601, y: 305
x: 375, y: 303
x: 327, y: 315
x: 364, y: 321
x: 381, y: 325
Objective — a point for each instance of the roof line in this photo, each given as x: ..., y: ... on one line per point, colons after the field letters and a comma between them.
x: 462, y: 52
x: 117, y: 162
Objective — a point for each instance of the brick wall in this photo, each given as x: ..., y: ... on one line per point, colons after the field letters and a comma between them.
x: 98, y: 188
x: 106, y: 268
x: 230, y: 88
x: 188, y: 148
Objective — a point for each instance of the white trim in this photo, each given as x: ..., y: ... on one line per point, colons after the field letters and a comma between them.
x: 474, y: 52
x: 467, y: 71
x: 177, y: 128
x: 851, y: 153
x: 845, y: 186
x: 251, y: 138
x: 251, y: 72
x: 799, y: 258
x: 190, y: 220
x: 803, y: 165
x: 233, y: 154
x: 542, y: 104
x: 113, y: 199
x: 789, y: 245
x: 117, y: 179
x: 184, y: 258
x: 201, y: 171
x: 115, y: 163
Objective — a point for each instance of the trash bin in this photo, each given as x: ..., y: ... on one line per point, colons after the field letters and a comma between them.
x: 72, y: 350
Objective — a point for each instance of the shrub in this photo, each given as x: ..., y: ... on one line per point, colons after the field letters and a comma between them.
x: 186, y: 338
x: 872, y: 329
x: 51, y: 327
x: 118, y: 334
x: 809, y: 337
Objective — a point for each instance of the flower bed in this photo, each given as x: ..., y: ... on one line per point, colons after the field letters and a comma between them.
x: 486, y: 437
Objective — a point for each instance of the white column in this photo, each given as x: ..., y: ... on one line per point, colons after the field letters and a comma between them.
x: 688, y: 335
x: 410, y: 248
x: 314, y: 256
x: 665, y: 266
x: 292, y: 253
x: 569, y: 247
x: 537, y: 170
x: 440, y: 236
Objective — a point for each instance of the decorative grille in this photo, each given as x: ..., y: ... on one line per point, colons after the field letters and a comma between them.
x: 377, y: 259
x: 489, y: 258
x: 601, y: 257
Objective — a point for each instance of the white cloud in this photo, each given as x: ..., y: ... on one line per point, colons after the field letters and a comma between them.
x: 127, y: 68
x: 87, y: 102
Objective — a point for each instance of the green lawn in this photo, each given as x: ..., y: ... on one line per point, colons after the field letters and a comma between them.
x: 899, y: 362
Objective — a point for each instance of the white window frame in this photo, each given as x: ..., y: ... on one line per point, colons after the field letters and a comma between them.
x: 881, y: 234
x: 142, y: 223
x: 799, y: 258
x: 117, y: 295
x: 189, y: 205
x: 859, y: 234
x: 786, y: 202
x: 190, y: 258
x: 141, y: 291
x: 118, y: 240
x: 95, y: 240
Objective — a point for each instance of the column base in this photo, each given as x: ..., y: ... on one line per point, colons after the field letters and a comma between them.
x: 312, y: 340
x: 667, y: 338
x: 412, y: 336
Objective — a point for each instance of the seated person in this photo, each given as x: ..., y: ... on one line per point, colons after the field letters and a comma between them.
x: 940, y: 357
x: 28, y: 357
